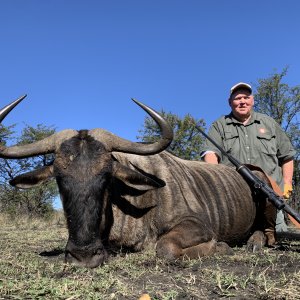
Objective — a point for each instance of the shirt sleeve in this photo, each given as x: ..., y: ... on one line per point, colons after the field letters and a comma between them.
x: 215, y: 134
x: 285, y: 149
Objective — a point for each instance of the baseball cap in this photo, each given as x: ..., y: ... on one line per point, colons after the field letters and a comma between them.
x: 240, y: 85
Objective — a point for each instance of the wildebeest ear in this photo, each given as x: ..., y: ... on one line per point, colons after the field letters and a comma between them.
x: 30, y: 179
x: 134, y: 178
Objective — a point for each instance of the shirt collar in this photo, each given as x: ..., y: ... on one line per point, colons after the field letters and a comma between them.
x: 230, y: 119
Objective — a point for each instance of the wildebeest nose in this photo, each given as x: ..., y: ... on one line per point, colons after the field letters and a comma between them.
x: 90, y: 256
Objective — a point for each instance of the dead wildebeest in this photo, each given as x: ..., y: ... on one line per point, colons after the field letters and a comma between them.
x: 134, y: 195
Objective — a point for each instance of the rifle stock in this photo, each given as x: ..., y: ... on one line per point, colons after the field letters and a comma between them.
x: 254, y: 181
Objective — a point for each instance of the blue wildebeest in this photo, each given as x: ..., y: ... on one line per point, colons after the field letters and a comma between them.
x: 135, y: 195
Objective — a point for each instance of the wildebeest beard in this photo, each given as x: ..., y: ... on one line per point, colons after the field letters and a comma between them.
x: 83, y: 169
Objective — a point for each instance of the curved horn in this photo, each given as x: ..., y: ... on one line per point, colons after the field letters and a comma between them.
x: 118, y: 144
x: 114, y: 143
x: 47, y: 145
x: 6, y: 109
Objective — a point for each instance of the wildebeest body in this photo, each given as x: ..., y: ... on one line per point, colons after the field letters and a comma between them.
x: 214, y: 197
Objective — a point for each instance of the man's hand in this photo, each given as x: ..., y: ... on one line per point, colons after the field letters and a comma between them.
x: 211, y: 157
x: 287, y: 190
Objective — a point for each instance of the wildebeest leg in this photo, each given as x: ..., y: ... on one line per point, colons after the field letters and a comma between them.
x: 256, y: 242
x: 208, y: 248
x: 189, y: 239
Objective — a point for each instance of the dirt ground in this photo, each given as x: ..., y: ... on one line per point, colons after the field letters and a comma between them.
x: 32, y: 267
x: 271, y: 274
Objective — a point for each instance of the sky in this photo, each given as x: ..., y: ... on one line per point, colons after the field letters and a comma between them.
x: 81, y: 61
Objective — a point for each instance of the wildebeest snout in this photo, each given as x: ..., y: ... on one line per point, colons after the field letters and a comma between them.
x: 89, y: 256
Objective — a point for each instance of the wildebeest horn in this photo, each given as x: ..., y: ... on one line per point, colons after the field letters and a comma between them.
x: 112, y: 142
x: 47, y: 145
x: 118, y: 144
x: 5, y: 110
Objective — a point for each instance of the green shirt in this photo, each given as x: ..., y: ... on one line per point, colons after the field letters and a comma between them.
x: 261, y: 142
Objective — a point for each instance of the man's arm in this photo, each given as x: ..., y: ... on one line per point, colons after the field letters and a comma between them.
x: 287, y: 171
x: 286, y: 153
x: 210, y: 153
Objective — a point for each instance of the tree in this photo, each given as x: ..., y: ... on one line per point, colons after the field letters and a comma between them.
x: 187, y: 142
x: 282, y: 102
x: 36, y: 201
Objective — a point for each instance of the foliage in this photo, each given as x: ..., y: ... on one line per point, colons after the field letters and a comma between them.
x: 36, y: 201
x: 187, y: 140
x: 282, y: 102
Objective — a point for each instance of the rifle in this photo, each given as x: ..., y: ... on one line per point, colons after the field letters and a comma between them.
x: 255, y: 181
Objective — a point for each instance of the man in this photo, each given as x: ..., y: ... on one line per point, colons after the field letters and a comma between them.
x: 253, y: 138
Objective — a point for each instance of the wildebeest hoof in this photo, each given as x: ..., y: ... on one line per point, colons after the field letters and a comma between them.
x: 168, y: 250
x: 224, y: 249
x: 256, y: 242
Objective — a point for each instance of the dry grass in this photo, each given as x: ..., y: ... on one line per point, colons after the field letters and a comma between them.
x: 26, y: 274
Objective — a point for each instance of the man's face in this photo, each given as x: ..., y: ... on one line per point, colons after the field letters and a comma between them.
x: 241, y: 103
